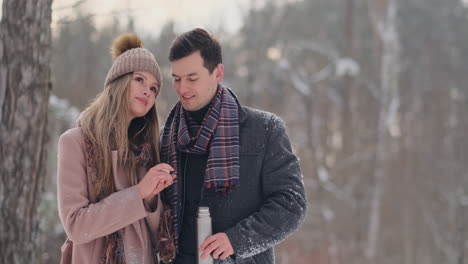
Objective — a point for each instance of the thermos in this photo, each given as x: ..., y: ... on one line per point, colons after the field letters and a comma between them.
x: 203, y: 231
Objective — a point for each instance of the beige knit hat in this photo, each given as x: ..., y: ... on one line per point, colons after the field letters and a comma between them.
x: 128, y: 56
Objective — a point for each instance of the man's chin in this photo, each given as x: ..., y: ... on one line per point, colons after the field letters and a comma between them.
x: 190, y: 108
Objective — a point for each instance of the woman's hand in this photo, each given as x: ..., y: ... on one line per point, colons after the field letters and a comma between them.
x: 155, y: 180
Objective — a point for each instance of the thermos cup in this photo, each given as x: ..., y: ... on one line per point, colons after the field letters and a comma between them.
x: 203, y: 231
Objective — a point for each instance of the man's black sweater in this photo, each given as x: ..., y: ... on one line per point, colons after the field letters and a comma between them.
x: 193, y: 175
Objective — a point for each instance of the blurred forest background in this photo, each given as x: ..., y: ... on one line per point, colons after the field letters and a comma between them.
x: 375, y: 97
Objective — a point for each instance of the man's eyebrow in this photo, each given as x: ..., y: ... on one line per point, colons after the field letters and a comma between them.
x: 190, y: 74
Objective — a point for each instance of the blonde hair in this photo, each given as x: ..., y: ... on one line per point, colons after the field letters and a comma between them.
x: 105, y: 123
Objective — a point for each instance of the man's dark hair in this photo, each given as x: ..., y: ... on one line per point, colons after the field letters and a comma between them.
x: 197, y: 40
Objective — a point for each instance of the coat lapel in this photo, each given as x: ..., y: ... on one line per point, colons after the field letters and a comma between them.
x: 122, y: 181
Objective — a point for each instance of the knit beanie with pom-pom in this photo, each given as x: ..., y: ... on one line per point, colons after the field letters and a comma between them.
x: 128, y: 56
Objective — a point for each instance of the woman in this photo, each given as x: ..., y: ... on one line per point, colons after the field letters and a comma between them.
x: 107, y: 183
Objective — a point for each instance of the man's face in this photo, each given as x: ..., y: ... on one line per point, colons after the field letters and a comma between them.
x: 193, y: 83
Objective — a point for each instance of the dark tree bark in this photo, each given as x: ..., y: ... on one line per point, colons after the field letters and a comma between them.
x: 25, y: 45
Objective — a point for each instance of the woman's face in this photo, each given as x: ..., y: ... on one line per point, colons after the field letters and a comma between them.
x: 142, y: 93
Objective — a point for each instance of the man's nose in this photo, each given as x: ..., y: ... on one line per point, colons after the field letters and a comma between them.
x: 183, y: 86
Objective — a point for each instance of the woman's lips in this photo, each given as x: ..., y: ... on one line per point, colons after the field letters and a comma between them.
x: 142, y: 100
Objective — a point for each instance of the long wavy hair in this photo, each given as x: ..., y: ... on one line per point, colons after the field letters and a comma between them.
x: 105, y: 123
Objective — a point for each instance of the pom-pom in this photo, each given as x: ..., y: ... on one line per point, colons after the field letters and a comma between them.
x: 123, y: 43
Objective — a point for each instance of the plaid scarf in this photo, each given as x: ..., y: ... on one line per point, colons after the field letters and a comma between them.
x: 218, y: 135
x: 114, y: 252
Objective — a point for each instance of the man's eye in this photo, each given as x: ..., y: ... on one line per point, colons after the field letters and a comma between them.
x: 193, y: 80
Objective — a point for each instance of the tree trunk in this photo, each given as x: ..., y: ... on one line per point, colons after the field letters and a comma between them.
x: 384, y: 14
x: 25, y: 44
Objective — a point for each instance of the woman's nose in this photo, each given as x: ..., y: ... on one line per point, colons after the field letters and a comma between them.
x: 146, y: 90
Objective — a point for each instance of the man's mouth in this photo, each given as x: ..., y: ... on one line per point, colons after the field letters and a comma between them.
x: 188, y: 97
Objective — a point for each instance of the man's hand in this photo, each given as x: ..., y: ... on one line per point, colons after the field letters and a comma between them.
x: 218, y: 245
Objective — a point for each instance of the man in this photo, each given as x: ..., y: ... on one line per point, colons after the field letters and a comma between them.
x: 234, y: 159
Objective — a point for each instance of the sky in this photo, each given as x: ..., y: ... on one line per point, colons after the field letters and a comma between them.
x: 151, y: 15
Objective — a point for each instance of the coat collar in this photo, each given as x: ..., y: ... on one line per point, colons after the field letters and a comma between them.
x: 242, y: 112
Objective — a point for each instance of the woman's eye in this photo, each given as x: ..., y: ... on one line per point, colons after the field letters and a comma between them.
x: 139, y: 79
x: 154, y: 90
